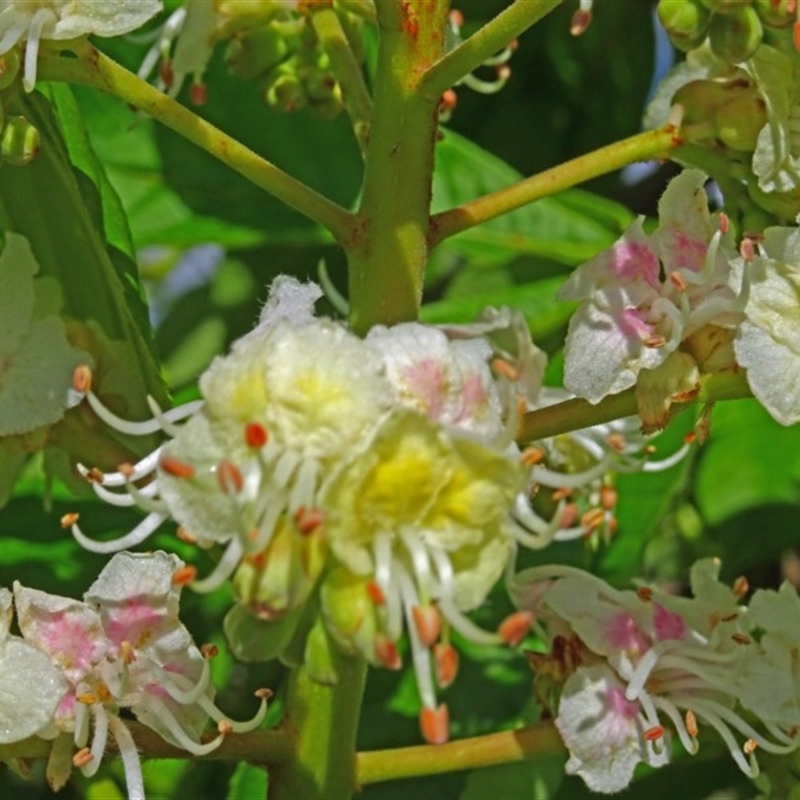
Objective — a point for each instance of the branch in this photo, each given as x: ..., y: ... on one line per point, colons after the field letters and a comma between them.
x: 642, y: 147
x: 92, y: 68
x: 355, y: 94
x: 478, y: 751
x: 490, y: 39
x: 575, y: 414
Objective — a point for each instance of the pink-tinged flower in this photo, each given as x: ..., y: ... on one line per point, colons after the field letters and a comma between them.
x: 652, y: 662
x: 124, y: 647
x: 648, y: 293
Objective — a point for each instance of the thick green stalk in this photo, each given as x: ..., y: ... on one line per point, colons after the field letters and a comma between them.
x: 322, y: 720
x: 92, y: 68
x: 642, y: 147
x: 389, y: 250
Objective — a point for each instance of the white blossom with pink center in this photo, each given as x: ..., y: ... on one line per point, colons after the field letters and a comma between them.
x: 679, y: 660
x: 124, y: 647
x: 646, y: 294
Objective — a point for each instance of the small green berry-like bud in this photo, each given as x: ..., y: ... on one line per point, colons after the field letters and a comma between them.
x: 735, y: 37
x: 254, y: 54
x: 685, y: 21
x: 777, y: 13
x: 739, y: 121
x: 20, y: 141
x: 284, y: 91
x: 9, y: 67
x: 725, y: 6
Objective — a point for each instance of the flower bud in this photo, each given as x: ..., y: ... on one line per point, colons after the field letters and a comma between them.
x: 736, y: 36
x: 256, y: 53
x: 725, y: 6
x: 776, y: 13
x: 685, y: 21
x: 9, y: 67
x: 284, y: 91
x: 19, y: 142
x: 739, y: 121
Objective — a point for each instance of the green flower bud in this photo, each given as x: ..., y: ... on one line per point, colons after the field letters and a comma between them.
x: 252, y: 55
x: 685, y: 21
x: 700, y: 100
x: 735, y: 37
x: 739, y: 121
x: 284, y: 90
x: 20, y: 141
x: 9, y: 67
x: 725, y: 6
x: 776, y: 13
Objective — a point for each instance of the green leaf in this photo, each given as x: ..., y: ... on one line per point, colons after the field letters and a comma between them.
x: 568, y: 228
x: 749, y: 460
x: 248, y: 783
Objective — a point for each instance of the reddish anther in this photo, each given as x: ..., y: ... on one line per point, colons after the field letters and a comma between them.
x: 569, y: 516
x: 580, y: 22
x: 644, y: 593
x: 531, y: 456
x: 740, y: 586
x: 446, y: 663
x: 185, y: 536
x: 175, y: 467
x: 82, y: 757
x: 434, y: 723
x: 428, y: 623
x: 691, y: 724
x: 515, y: 627
x: 184, y: 575
x: 593, y: 518
x: 678, y: 281
x: 209, y: 650
x: 255, y: 434
x: 608, y: 498
x: 654, y: 734
x: 375, y: 593
x: 198, y: 94
x: 308, y: 519
x: 229, y: 478
x: 386, y: 653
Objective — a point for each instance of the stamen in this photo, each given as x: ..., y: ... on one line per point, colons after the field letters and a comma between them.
x: 229, y: 479
x: 445, y: 659
x: 465, y: 626
x: 82, y: 375
x: 434, y: 723
x: 185, y: 696
x: 134, y: 537
x: 184, y: 575
x: 225, y: 727
x: 644, y: 593
x: 225, y: 566
x: 514, y: 628
x: 255, y: 434
x: 428, y: 623
x: 386, y: 652
x: 741, y: 638
x: 308, y: 519
x: 210, y: 650
x: 419, y: 560
x: 531, y: 456
x: 375, y: 593
x: 419, y: 653
x: 654, y: 734
x: 68, y: 520
x: 98, y: 741
x: 82, y: 757
x: 593, y: 518
x: 505, y: 368
x: 124, y: 476
x: 130, y: 758
x: 127, y: 652
x: 176, y: 467
x: 740, y: 586
x: 168, y: 720
x: 574, y: 480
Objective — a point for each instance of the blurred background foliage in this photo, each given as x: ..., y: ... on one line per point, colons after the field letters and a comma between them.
x: 208, y: 243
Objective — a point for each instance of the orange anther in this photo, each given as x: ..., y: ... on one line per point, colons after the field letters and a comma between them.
x: 740, y: 586
x: 127, y: 652
x: 209, y: 650
x: 375, y: 593
x: 515, y: 627
x: 678, y: 281
x: 264, y: 693
x: 82, y: 757
x: 434, y: 723
x: 608, y: 497
x: 184, y: 575
x: 94, y: 475
x: 580, y: 22
x: 617, y: 442
x: 724, y: 222
x: 125, y: 469
x: 229, y: 478
x: 691, y: 723
x: 224, y: 727
x: 741, y: 638
x: 505, y: 368
x: 750, y: 747
x: 68, y: 520
x: 569, y: 516
x: 449, y: 100
x: 654, y: 734
x: 729, y: 617
x: 561, y: 494
x: 446, y: 663
x: 308, y: 519
x: 82, y: 379
x: 185, y: 536
x: 255, y: 434
x: 593, y: 518
x: 531, y: 456
x: 87, y: 698
x: 690, y: 438
x: 175, y: 467
x: 654, y: 340
x: 386, y: 653
x: 258, y: 560
x: 428, y: 623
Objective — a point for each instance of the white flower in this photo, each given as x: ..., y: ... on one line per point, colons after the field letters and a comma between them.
x: 34, y: 20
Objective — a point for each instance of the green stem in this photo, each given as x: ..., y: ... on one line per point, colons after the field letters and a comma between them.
x: 322, y: 719
x: 355, y: 94
x: 388, y: 253
x: 572, y: 415
x: 479, y: 751
x: 490, y: 39
x: 92, y: 68
x: 642, y: 147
